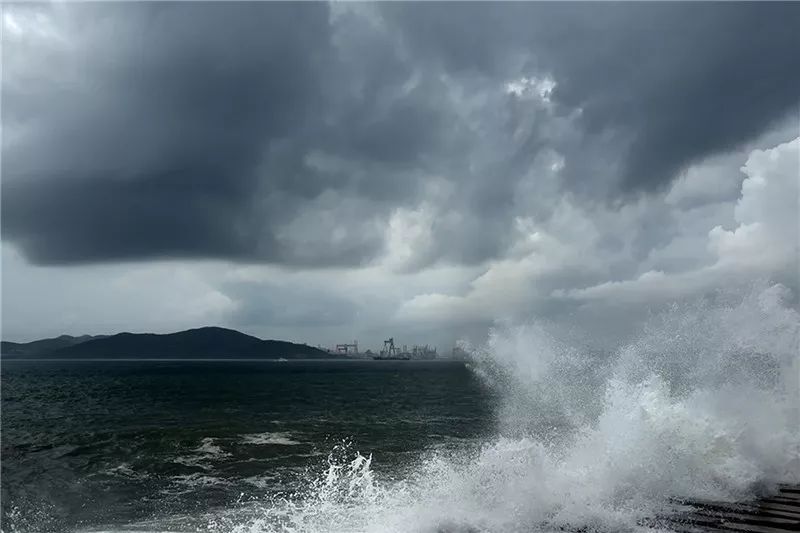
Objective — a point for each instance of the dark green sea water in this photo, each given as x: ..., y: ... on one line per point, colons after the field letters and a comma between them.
x: 104, y: 444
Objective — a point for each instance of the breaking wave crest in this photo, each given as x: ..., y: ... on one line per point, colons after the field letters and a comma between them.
x: 703, y: 404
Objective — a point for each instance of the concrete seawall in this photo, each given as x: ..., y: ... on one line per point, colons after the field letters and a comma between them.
x: 777, y: 513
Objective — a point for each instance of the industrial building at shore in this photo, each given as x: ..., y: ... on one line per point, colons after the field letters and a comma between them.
x: 393, y: 352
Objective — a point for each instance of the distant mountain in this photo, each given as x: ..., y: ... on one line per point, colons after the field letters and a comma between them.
x: 208, y: 342
x: 43, y: 346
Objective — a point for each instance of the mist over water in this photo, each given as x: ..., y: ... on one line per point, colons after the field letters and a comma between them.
x: 702, y: 404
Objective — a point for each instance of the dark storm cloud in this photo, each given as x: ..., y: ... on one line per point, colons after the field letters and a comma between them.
x: 674, y: 81
x: 190, y: 130
x: 154, y: 152
x: 290, y: 132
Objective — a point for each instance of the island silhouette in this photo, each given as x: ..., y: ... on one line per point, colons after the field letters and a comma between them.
x: 203, y: 343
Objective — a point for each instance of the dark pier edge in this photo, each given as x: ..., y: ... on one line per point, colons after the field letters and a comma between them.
x: 774, y: 514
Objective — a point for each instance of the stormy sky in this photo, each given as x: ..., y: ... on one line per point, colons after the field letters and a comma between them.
x: 322, y: 172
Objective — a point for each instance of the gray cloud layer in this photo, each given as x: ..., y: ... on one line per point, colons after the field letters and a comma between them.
x: 674, y: 82
x: 296, y: 134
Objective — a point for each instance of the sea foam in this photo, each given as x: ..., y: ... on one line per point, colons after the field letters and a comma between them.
x: 276, y: 438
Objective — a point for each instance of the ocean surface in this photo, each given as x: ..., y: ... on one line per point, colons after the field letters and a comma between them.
x: 539, y: 432
x: 119, y: 444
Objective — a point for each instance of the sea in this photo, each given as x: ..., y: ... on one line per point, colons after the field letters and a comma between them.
x: 537, y: 431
